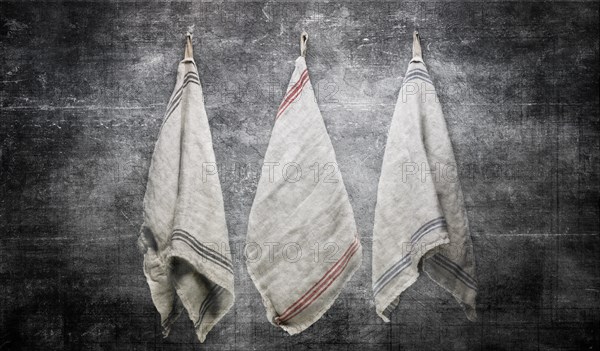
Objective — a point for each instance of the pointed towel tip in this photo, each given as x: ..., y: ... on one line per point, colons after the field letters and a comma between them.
x: 189, y: 51
x: 165, y: 332
x: 416, y: 46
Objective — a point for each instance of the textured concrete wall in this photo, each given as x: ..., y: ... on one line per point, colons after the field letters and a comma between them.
x: 83, y: 92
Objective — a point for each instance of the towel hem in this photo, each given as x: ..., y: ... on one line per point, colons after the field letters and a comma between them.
x: 172, y: 317
x: 295, y: 329
x: 469, y: 308
x: 157, y: 288
x: 201, y: 333
x: 352, y: 267
x: 266, y: 302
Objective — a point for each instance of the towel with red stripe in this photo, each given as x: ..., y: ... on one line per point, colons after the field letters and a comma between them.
x: 302, y: 244
x: 420, y: 216
x: 184, y: 237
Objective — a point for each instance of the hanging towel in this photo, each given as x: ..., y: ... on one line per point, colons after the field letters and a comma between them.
x: 302, y: 244
x: 420, y: 211
x: 184, y: 238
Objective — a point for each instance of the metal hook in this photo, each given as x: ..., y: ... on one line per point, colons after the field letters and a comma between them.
x: 303, y: 42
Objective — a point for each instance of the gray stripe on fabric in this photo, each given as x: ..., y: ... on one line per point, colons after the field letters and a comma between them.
x: 434, y: 226
x: 458, y: 273
x: 177, y: 97
x: 414, y: 77
x: 202, y: 250
x: 397, y: 269
x: 418, y: 70
x: 426, y: 227
x: 207, y: 303
x: 189, y: 75
x: 417, y: 74
x: 458, y: 268
x: 418, y: 231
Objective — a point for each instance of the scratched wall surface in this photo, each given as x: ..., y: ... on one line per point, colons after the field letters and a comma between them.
x: 84, y: 87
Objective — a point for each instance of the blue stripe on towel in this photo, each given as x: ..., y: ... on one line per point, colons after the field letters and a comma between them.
x: 417, y: 73
x: 202, y: 249
x: 189, y: 78
x: 209, y: 300
x: 455, y: 270
x: 401, y: 265
x: 426, y: 228
x: 391, y: 273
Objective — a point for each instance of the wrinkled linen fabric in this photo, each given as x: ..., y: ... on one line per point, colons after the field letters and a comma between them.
x: 302, y: 244
x: 420, y: 215
x: 187, y: 262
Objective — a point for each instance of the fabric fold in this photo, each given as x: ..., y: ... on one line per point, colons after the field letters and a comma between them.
x: 187, y: 261
x: 302, y: 244
x: 420, y: 218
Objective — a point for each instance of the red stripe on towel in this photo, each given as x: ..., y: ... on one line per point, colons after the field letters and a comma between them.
x: 293, y: 98
x: 319, y: 288
x: 322, y: 278
x: 293, y: 93
x: 293, y: 88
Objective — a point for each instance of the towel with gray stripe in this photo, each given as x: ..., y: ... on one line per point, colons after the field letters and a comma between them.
x: 187, y: 262
x: 420, y: 218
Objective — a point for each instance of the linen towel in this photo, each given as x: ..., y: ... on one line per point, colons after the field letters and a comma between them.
x: 420, y: 211
x: 187, y: 262
x: 302, y: 243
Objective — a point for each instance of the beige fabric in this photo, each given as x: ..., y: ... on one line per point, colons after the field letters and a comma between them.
x: 302, y: 243
x: 420, y: 211
x: 187, y: 262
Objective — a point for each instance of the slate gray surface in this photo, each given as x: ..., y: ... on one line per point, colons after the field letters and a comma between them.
x: 83, y: 91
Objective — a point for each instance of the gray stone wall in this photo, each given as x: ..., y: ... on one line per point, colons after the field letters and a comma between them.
x: 83, y: 90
